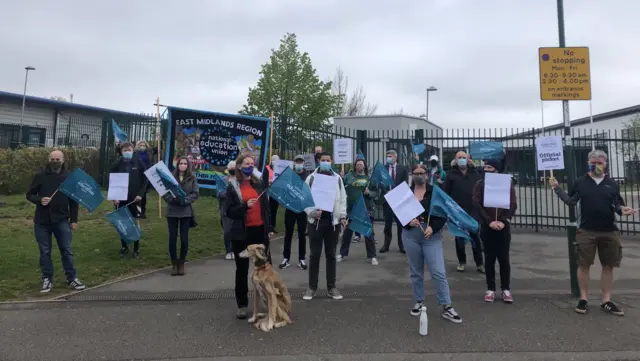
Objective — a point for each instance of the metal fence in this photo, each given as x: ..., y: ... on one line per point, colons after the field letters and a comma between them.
x: 538, y: 208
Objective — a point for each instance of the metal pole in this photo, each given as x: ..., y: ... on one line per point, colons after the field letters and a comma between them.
x: 426, y: 115
x: 593, y: 141
x: 572, y: 226
x: 544, y: 172
x: 24, y: 100
x: 158, y: 140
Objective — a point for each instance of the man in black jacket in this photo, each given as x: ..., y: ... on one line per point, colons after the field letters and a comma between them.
x: 600, y: 200
x: 56, y: 215
x: 459, y: 184
x: 138, y: 183
x: 399, y: 174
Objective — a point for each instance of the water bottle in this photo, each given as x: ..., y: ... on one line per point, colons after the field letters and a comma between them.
x: 424, y: 321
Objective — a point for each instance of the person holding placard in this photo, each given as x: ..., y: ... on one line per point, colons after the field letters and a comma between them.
x: 422, y: 238
x: 399, y: 174
x: 248, y: 209
x: 56, y: 215
x: 324, y: 224
x: 436, y: 174
x: 180, y: 214
x: 292, y: 219
x: 267, y: 178
x: 138, y: 184
x: 495, y: 232
x: 600, y: 200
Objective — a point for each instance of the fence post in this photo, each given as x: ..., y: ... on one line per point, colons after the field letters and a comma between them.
x: 103, y: 151
x: 361, y: 142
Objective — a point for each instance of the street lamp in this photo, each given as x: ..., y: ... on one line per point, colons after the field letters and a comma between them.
x: 429, y: 89
x: 24, y: 99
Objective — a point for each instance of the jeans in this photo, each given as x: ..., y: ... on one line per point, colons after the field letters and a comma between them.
x: 175, y: 225
x: 327, y: 235
x: 389, y: 218
x: 62, y: 232
x: 476, y: 248
x: 291, y: 219
x: 496, y: 247
x: 369, y: 243
x: 273, y: 208
x: 253, y: 235
x: 420, y: 251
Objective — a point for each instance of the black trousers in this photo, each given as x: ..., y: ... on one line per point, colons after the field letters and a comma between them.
x: 273, y: 208
x: 476, y: 248
x: 133, y: 208
x: 496, y: 247
x: 290, y: 220
x: 178, y: 225
x: 389, y: 218
x: 326, y: 234
x: 253, y: 235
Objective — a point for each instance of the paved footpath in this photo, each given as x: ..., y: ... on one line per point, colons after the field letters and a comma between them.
x: 158, y: 317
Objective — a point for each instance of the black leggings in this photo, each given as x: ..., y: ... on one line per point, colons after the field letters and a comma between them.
x: 496, y: 247
x: 183, y: 225
x: 253, y: 235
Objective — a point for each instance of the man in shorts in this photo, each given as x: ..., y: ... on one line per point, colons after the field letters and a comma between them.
x: 600, y: 200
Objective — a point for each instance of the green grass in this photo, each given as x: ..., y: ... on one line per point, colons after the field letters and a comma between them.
x: 95, y: 246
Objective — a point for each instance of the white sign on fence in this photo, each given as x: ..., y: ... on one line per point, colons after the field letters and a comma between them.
x: 549, y: 152
x: 343, y: 151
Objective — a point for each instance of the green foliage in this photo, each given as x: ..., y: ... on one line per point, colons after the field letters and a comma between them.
x: 290, y: 88
x: 630, y: 148
x: 17, y: 167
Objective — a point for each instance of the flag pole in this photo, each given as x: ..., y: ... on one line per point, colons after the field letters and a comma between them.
x: 271, y: 139
x: 158, y: 138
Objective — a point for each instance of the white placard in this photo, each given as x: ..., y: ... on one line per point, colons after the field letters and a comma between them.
x: 309, y: 162
x: 497, y: 190
x: 323, y: 191
x: 154, y: 178
x: 343, y: 151
x: 118, y: 187
x: 549, y: 152
x: 404, y: 203
x: 280, y: 166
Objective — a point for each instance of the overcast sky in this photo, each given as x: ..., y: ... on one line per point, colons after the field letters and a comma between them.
x: 482, y: 55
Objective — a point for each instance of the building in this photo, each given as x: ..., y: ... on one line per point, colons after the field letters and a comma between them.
x: 397, y: 131
x: 48, y: 122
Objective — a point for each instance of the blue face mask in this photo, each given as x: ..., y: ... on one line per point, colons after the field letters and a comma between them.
x: 127, y: 155
x: 462, y: 162
x: 325, y: 166
x: 389, y: 160
x: 247, y: 171
x: 298, y: 167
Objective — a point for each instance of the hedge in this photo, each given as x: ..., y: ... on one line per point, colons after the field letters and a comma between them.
x: 18, y: 166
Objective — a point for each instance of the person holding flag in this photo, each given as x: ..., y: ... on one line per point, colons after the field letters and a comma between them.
x: 356, y: 184
x: 57, y: 215
x: 248, y: 209
x: 495, y: 233
x: 436, y: 175
x: 292, y: 219
x: 138, y: 184
x: 422, y: 238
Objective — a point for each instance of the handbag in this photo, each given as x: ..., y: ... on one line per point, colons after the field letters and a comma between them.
x: 193, y: 222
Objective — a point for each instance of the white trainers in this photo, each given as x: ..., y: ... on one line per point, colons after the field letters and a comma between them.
x: 339, y: 258
x: 228, y: 256
x: 374, y: 261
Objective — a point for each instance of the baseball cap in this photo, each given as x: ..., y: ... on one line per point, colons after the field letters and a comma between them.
x: 433, y: 157
x: 298, y: 157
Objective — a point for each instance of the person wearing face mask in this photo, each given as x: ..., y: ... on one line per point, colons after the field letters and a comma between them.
x: 495, y: 232
x: 436, y: 175
x: 422, y: 238
x: 268, y: 178
x: 180, y: 214
x: 138, y: 184
x: 57, y: 215
x: 248, y: 209
x: 355, y: 184
x: 600, y: 200
x: 459, y: 184
x: 399, y: 174
x: 225, y: 222
x: 292, y: 219
x: 324, y: 228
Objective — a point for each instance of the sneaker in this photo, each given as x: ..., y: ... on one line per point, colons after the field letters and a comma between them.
x: 77, y: 285
x: 581, y: 307
x: 124, y: 251
x: 308, y: 295
x: 340, y: 258
x: 356, y: 239
x: 417, y: 308
x: 228, y: 256
x: 612, y: 308
x: 450, y: 314
x: 242, y: 313
x: 136, y: 254
x: 374, y: 261
x: 480, y: 269
x: 490, y: 296
x: 335, y: 294
x: 302, y: 264
x: 46, y: 285
x: 460, y: 268
x: 284, y: 264
x: 507, y: 297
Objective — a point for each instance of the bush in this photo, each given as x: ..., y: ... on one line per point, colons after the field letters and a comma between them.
x: 18, y: 166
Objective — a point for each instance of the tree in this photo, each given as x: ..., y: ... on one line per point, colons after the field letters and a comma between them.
x: 350, y: 104
x: 58, y: 98
x: 631, y: 139
x: 290, y: 88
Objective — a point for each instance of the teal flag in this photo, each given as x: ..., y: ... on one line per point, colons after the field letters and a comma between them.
x: 118, y: 133
x: 83, y: 189
x: 486, y: 150
x: 125, y: 225
x: 460, y: 224
x: 380, y: 176
x: 359, y: 220
x: 291, y: 191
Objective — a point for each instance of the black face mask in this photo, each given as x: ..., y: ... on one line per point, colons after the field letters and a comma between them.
x: 434, y: 163
x: 55, y: 165
x: 232, y: 172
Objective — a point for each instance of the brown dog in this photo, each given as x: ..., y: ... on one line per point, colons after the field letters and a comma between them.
x: 269, y: 289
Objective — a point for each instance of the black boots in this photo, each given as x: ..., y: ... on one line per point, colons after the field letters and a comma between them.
x: 174, y: 268
x: 180, y: 268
